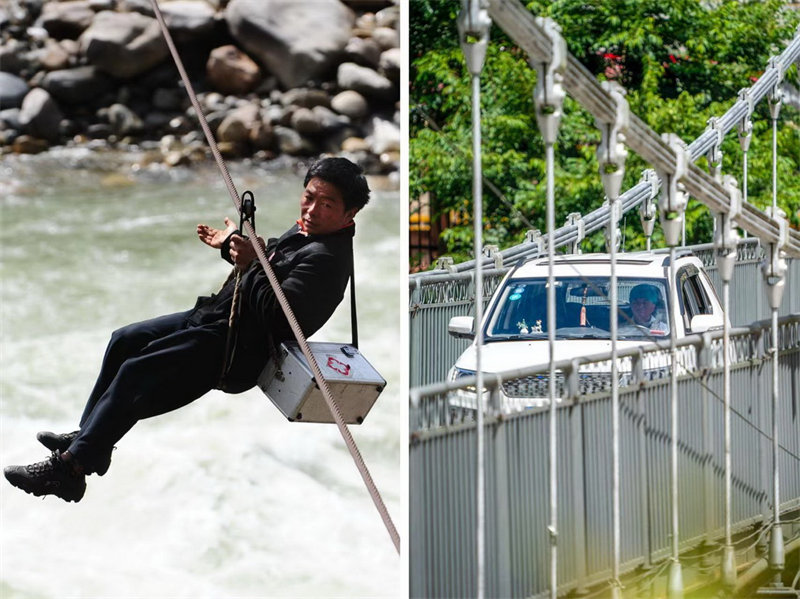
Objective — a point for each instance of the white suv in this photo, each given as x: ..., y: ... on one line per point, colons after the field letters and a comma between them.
x: 515, y: 325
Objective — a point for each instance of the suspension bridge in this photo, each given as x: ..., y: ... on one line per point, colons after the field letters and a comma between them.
x: 683, y: 483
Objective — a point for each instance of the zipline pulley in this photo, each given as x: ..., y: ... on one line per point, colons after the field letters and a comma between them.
x: 248, y: 211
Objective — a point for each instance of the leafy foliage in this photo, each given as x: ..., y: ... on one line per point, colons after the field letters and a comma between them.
x: 681, y: 62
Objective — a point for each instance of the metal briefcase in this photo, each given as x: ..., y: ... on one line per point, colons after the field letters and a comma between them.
x: 289, y: 382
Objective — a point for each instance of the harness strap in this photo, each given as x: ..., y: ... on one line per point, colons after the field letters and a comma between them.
x: 281, y: 297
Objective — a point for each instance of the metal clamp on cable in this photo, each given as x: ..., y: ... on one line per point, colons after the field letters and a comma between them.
x: 493, y: 251
x: 745, y: 126
x: 647, y: 209
x: 672, y: 205
x: 773, y: 267
x: 473, y: 33
x: 535, y: 236
x: 574, y: 218
x: 726, y: 236
x: 775, y: 97
x: 611, y: 153
x: 549, y: 93
x: 714, y: 156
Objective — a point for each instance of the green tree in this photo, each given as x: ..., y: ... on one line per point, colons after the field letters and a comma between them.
x: 681, y: 62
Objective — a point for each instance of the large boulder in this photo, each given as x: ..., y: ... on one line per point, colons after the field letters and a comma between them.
x: 12, y: 90
x: 40, y: 116
x: 124, y: 44
x: 66, y: 20
x: 76, y: 86
x: 297, y: 41
x: 188, y: 19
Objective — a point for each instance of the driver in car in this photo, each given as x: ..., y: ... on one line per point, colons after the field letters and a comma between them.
x: 644, y: 299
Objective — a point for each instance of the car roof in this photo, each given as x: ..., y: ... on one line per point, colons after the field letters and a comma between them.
x: 629, y: 264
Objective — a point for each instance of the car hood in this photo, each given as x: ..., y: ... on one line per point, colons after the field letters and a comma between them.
x: 499, y: 356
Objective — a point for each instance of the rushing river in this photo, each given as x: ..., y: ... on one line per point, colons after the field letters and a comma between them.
x: 223, y: 498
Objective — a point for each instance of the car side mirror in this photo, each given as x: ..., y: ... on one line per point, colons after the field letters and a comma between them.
x: 703, y: 322
x: 462, y: 327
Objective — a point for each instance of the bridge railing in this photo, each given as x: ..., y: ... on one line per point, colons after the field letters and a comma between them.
x: 443, y: 465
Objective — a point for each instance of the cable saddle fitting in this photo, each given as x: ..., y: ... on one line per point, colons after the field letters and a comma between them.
x: 647, y: 209
x: 549, y: 93
x: 714, y: 156
x: 611, y: 152
x: 725, y: 234
x: 672, y: 205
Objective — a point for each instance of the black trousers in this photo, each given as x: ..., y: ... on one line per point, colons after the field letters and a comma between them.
x: 150, y: 368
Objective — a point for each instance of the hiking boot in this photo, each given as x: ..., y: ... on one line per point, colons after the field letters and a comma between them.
x: 56, y: 442
x: 61, y: 442
x: 52, y: 476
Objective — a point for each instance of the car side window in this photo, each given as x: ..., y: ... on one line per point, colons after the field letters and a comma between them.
x: 704, y: 304
x: 695, y: 297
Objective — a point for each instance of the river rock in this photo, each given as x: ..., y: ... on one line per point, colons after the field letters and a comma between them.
x: 40, y: 115
x: 328, y: 119
x: 291, y: 142
x: 53, y: 56
x: 188, y: 19
x: 123, y: 45
x: 350, y: 103
x: 76, y: 86
x: 236, y: 126
x: 10, y: 118
x: 388, y: 17
x: 364, y: 80
x: 364, y: 52
x: 305, y: 97
x: 26, y: 144
x: 386, y: 37
x: 262, y: 136
x: 296, y: 41
x: 385, y: 136
x: 123, y: 121
x: 144, y: 7
x: 13, y: 90
x: 355, y: 144
x: 66, y: 20
x: 231, y: 71
x: 390, y: 64
x: 305, y: 122
x: 14, y: 57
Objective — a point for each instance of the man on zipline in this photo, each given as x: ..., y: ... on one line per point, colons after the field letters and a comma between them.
x: 165, y: 363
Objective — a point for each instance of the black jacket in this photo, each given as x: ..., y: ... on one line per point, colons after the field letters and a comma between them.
x: 313, y: 272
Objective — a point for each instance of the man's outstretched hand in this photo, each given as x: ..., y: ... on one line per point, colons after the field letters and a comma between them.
x: 241, y: 250
x: 215, y: 237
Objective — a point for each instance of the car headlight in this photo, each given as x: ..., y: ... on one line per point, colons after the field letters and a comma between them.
x: 457, y: 373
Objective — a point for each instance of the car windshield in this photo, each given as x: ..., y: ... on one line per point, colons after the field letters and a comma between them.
x: 582, y: 309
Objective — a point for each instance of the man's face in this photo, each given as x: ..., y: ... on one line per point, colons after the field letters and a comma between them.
x: 322, y: 209
x: 642, y: 308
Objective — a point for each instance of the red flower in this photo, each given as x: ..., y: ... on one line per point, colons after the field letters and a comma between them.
x: 672, y: 58
x: 611, y: 56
